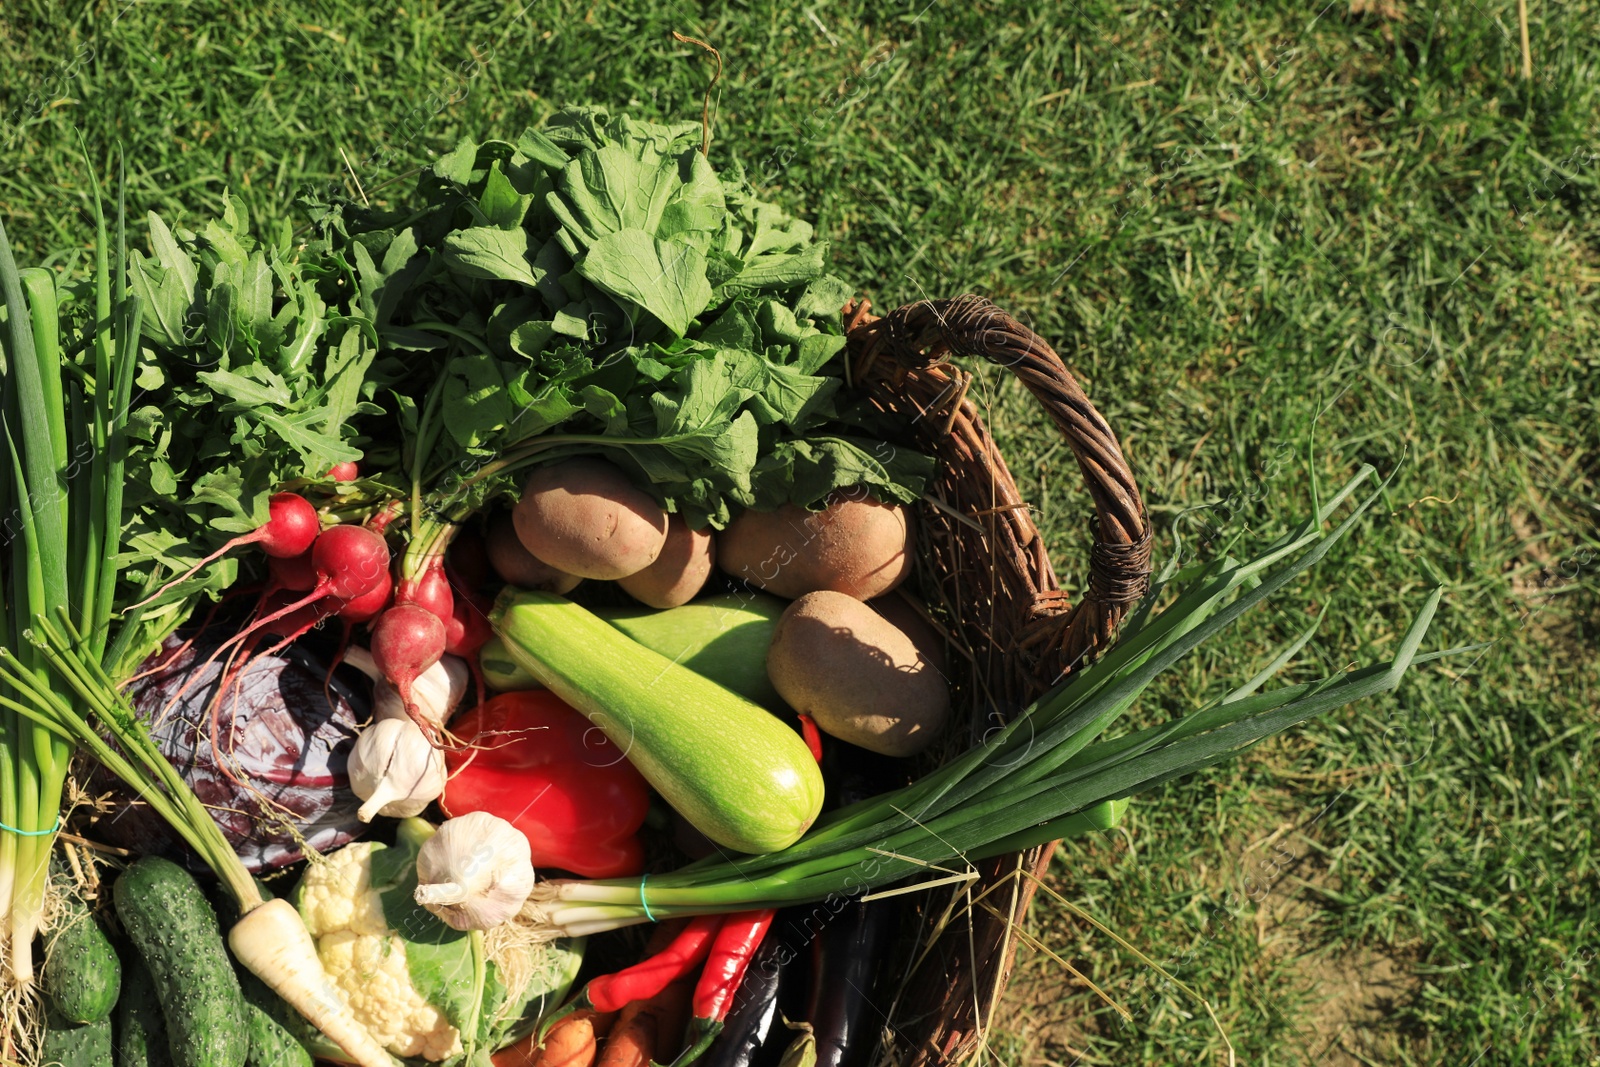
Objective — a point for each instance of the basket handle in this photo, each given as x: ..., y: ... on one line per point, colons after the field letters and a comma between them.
x: 924, y: 332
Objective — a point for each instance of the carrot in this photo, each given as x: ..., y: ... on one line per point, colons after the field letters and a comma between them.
x: 570, y: 1043
x: 672, y: 1016
x: 633, y: 1040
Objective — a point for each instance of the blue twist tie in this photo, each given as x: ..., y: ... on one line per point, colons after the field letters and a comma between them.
x: 642, y: 902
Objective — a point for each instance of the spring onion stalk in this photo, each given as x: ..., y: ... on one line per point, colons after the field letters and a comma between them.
x: 34, y: 431
x: 1047, y: 774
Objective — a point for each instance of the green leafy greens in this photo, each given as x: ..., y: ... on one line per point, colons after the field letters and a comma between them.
x: 597, y: 286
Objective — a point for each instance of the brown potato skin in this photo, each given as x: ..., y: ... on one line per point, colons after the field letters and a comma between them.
x: 583, y: 516
x: 832, y: 657
x: 516, y: 565
x: 680, y: 572
x: 855, y: 546
x: 905, y: 617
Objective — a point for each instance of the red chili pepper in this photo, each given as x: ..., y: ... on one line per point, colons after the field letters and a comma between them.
x: 812, y: 735
x: 648, y: 977
x: 539, y: 764
x: 736, y: 943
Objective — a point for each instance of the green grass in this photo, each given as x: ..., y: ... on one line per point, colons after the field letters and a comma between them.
x: 1237, y: 223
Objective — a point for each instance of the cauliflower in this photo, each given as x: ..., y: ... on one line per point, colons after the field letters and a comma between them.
x: 367, y: 960
x: 433, y: 996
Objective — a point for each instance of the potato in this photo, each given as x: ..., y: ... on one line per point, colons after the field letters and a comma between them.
x: 855, y: 546
x: 863, y: 681
x: 517, y: 565
x: 906, y: 618
x: 585, y: 517
x: 679, y: 572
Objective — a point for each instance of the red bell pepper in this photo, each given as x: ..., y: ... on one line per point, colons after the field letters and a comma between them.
x: 540, y: 765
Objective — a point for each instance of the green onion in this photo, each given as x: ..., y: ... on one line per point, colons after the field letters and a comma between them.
x: 1045, y: 775
x: 62, y: 469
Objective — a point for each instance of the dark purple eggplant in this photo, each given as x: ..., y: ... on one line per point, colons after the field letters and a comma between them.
x: 282, y: 735
x: 846, y: 960
x: 853, y: 937
x: 775, y: 984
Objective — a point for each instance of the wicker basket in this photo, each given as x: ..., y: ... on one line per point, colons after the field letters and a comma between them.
x: 983, y: 568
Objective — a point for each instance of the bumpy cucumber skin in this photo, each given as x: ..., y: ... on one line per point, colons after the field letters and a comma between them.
x: 271, y: 1043
x: 69, y: 1044
x: 141, y: 1028
x: 175, y: 931
x: 82, y: 975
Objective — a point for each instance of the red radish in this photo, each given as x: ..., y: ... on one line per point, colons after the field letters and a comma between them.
x: 350, y: 561
x: 430, y: 591
x: 368, y: 605
x: 344, y: 472
x: 292, y: 526
x: 380, y: 520
x: 407, y: 640
x: 468, y: 629
x: 298, y: 574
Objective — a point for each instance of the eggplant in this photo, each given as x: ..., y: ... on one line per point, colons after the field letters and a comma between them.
x: 846, y: 960
x: 848, y: 952
x: 753, y: 1019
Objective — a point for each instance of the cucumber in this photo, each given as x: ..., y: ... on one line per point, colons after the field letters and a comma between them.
x: 740, y: 775
x: 141, y: 1029
x: 70, y: 1044
x: 173, y: 928
x: 271, y: 1042
x: 722, y: 637
x: 81, y: 973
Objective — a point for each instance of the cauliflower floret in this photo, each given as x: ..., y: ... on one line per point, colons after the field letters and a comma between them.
x: 367, y: 961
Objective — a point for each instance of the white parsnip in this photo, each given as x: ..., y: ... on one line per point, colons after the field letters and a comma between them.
x: 273, y: 943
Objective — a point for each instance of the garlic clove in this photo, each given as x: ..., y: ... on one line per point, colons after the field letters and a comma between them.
x: 395, y: 770
x: 475, y: 872
x: 436, y: 692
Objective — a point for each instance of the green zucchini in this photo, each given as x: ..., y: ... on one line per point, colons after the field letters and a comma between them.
x: 740, y: 775
x: 81, y: 973
x: 141, y: 1029
x: 502, y: 673
x: 722, y: 637
x: 70, y: 1044
x: 168, y: 920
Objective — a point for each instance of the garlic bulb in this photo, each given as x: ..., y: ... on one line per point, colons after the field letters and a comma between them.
x: 476, y: 872
x: 436, y: 691
x: 395, y: 769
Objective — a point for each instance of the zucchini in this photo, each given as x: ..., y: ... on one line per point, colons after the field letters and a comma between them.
x: 70, y: 1044
x: 739, y: 775
x: 81, y: 973
x: 175, y: 931
x: 722, y: 637
x: 141, y: 1030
